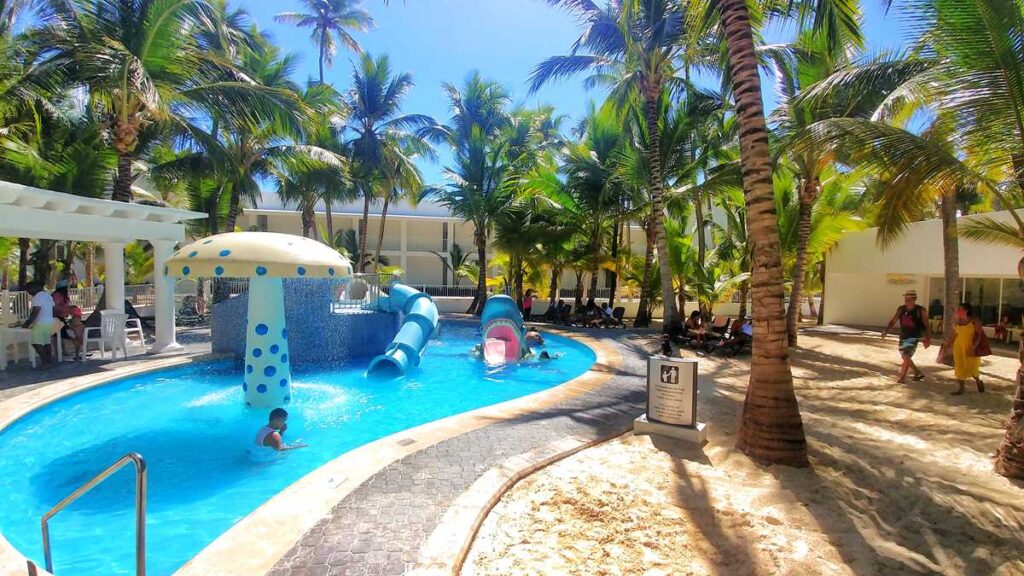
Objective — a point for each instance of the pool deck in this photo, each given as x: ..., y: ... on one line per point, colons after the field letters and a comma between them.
x: 384, y: 524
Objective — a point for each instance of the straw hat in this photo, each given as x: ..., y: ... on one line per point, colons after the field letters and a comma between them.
x: 910, y: 293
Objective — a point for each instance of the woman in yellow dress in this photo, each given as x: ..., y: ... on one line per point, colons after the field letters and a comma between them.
x: 966, y: 336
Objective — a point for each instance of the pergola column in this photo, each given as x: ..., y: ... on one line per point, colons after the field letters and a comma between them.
x: 163, y: 308
x: 113, y: 282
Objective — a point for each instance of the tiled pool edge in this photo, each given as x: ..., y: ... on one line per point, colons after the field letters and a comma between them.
x: 12, y: 561
x: 258, y: 541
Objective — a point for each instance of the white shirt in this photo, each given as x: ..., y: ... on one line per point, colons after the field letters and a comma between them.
x: 44, y: 302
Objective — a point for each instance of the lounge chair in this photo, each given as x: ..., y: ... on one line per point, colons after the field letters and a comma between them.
x: 616, y: 320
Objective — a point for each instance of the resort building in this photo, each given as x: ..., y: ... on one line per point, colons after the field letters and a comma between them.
x: 864, y: 283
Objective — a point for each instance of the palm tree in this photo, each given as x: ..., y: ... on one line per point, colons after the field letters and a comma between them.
x: 385, y: 142
x: 477, y: 190
x: 330, y: 21
x: 633, y: 45
x: 139, y: 63
x: 453, y: 260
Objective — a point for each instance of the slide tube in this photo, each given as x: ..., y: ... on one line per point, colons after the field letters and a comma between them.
x: 419, y: 322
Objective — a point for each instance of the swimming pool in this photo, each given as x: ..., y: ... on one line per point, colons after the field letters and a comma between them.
x: 191, y: 426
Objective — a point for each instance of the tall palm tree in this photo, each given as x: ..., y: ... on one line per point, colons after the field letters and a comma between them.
x: 385, y: 142
x: 139, y: 63
x: 477, y: 187
x: 330, y: 22
x: 634, y: 46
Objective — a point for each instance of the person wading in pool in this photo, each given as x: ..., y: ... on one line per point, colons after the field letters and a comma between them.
x: 913, y: 322
x: 272, y: 435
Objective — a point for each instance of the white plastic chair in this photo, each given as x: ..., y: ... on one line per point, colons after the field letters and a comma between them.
x: 110, y: 334
x: 133, y: 327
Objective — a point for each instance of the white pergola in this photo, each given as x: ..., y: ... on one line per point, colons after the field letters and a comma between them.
x: 28, y: 212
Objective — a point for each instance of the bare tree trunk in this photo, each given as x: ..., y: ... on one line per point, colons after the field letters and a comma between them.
x: 553, y: 289
x: 329, y: 220
x: 808, y: 195
x: 90, y: 267
x: 670, y: 315
x: 363, y: 225
x: 950, y: 261
x: 643, y: 311
x: 234, y: 208
x: 123, y: 181
x: 615, y: 260
x: 380, y: 235
x: 770, y: 429
x: 595, y: 257
x: 578, y: 302
x: 24, y: 244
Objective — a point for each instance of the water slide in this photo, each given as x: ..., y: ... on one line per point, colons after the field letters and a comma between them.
x: 502, y: 327
x: 419, y: 321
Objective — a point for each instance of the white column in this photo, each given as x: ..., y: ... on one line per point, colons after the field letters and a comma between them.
x: 163, y: 309
x: 404, y: 247
x: 113, y: 283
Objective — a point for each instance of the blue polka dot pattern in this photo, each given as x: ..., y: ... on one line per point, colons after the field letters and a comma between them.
x: 224, y: 253
x: 301, y: 271
x: 287, y: 399
x: 269, y: 371
x: 245, y: 388
x: 218, y: 270
x: 261, y: 329
x: 261, y: 388
x: 261, y: 271
x: 185, y: 270
x: 274, y: 349
x: 248, y: 369
x: 330, y: 271
x: 256, y: 352
x: 284, y: 333
x: 283, y: 382
x: 284, y: 358
x: 193, y: 254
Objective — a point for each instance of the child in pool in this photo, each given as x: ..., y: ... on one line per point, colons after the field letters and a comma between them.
x: 545, y: 355
x: 272, y: 435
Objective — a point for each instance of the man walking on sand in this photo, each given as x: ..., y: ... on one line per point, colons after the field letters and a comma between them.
x: 913, y: 321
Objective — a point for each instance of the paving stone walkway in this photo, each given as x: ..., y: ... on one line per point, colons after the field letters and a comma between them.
x: 380, y: 527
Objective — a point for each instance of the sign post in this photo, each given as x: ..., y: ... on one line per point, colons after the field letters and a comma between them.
x: 672, y: 400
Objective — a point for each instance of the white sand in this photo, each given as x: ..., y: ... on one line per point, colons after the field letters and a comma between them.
x: 901, y: 482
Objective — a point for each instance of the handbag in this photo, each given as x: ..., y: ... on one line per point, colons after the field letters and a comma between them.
x: 945, y: 356
x: 983, y: 347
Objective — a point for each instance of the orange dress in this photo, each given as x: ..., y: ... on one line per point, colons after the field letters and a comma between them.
x: 964, y: 365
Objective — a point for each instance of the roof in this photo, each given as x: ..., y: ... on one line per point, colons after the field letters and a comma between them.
x: 270, y: 202
x: 36, y: 213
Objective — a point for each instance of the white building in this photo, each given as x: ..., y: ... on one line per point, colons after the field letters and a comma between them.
x: 864, y: 284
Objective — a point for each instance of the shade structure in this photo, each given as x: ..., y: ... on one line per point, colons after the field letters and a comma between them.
x: 258, y: 255
x: 266, y: 258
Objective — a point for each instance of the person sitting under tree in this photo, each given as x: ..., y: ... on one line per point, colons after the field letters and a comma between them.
x: 913, y: 322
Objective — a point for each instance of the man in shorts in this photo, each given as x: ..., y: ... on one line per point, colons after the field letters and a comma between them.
x: 40, y: 321
x: 914, y: 328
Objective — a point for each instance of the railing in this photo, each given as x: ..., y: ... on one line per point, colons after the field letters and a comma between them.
x: 16, y: 305
x: 440, y: 291
x: 361, y: 291
x: 140, y: 509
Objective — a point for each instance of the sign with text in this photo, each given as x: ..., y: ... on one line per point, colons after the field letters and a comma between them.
x: 672, y: 390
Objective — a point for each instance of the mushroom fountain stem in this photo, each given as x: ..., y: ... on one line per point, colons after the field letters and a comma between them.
x: 268, y: 379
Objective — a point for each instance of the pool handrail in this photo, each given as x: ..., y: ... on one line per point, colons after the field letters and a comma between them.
x: 140, y: 509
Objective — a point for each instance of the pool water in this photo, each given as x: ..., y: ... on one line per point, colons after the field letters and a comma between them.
x: 192, y: 427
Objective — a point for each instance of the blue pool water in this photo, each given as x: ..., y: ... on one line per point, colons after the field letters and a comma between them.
x: 196, y: 435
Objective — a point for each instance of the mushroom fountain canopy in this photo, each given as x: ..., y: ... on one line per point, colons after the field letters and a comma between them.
x: 256, y: 255
x: 265, y: 258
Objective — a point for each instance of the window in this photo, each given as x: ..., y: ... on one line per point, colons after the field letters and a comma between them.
x: 1013, y: 300
x: 983, y: 296
x: 262, y: 222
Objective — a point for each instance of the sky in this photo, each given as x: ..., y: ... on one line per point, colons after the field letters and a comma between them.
x: 444, y: 40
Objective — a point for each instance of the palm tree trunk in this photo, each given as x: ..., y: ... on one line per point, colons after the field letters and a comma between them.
x: 671, y: 321
x: 123, y: 182
x: 643, y: 312
x: 517, y: 280
x: 308, y: 218
x: 553, y: 289
x: 820, y: 321
x: 744, y: 295
x: 702, y: 244
x: 811, y: 306
x: 615, y: 260
x: 578, y: 301
x: 770, y: 429
x: 950, y: 261
x: 234, y: 208
x: 90, y: 259
x: 329, y: 219
x: 808, y: 194
x: 323, y: 52
x: 24, y: 244
x: 363, y: 224
x: 477, y: 307
x: 380, y: 235
x: 1010, y: 455
x: 595, y: 257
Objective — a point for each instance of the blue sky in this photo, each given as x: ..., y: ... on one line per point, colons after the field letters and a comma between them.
x: 443, y: 40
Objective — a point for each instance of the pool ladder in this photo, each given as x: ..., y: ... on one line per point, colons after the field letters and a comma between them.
x: 140, y: 511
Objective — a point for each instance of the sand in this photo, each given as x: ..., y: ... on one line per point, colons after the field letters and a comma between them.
x: 901, y: 482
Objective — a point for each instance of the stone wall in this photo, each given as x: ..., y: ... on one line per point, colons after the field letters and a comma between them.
x: 315, y: 335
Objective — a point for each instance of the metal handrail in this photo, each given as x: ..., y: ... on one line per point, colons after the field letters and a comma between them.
x: 140, y: 509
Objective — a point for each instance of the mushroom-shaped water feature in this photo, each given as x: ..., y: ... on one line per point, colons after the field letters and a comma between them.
x: 265, y: 258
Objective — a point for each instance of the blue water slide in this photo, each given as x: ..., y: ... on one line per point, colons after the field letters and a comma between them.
x: 419, y: 321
